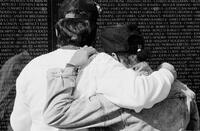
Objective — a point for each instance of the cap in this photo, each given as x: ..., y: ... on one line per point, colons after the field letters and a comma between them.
x: 122, y: 38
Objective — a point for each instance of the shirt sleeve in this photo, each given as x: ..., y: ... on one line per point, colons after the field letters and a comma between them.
x: 20, y: 113
x: 128, y: 89
x: 65, y: 111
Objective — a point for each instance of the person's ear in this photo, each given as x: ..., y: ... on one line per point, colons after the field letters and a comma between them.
x: 114, y: 55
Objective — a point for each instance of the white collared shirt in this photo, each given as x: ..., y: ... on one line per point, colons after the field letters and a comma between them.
x: 31, y: 87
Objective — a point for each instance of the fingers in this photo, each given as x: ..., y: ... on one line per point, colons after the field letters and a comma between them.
x: 170, y: 67
x: 90, y: 50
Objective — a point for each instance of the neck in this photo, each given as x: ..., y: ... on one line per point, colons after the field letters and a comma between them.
x: 72, y: 47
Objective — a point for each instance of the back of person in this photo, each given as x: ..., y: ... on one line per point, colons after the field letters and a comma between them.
x: 76, y: 28
x: 31, y: 91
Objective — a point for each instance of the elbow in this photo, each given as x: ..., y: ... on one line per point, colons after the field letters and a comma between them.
x: 49, y: 118
x: 141, y: 102
x: 56, y: 119
x: 53, y: 119
x: 139, y: 107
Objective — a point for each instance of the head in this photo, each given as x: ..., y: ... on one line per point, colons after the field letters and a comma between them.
x: 78, y: 22
x: 125, y: 43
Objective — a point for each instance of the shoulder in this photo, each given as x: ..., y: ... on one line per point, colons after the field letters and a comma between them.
x: 32, y: 67
x: 104, y: 58
x: 43, y: 62
x: 40, y: 60
x: 103, y: 55
x: 182, y: 90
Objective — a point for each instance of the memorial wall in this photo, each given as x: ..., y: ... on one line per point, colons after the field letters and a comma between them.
x: 171, y: 30
x: 24, y: 24
x: 170, y: 27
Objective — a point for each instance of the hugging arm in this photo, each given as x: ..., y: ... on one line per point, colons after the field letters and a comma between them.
x: 127, y: 88
x: 64, y: 111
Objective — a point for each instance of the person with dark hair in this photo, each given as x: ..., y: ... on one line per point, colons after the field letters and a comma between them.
x: 84, y: 9
x: 72, y: 31
x: 130, y: 41
x: 31, y: 84
x: 65, y: 110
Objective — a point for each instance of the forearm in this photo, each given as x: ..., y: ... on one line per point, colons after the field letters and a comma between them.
x: 128, y: 88
x: 164, y: 80
x: 145, y: 91
x: 58, y: 96
x: 155, y: 87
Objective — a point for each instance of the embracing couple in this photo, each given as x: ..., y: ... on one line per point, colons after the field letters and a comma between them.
x: 77, y: 88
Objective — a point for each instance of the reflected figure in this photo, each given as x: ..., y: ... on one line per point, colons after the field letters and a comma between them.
x: 8, y: 75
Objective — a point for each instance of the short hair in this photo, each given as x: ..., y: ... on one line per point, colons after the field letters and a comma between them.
x: 80, y: 8
x: 87, y: 6
x: 73, y: 31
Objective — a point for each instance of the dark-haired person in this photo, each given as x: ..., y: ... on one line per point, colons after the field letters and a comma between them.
x: 65, y: 110
x: 31, y: 85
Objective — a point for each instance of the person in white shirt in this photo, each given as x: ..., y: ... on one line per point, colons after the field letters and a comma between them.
x: 31, y: 85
